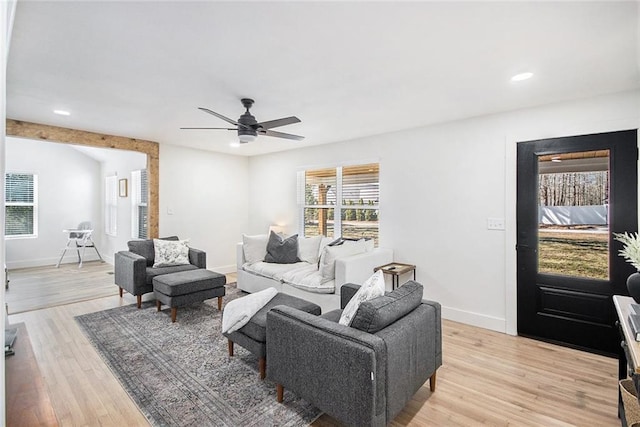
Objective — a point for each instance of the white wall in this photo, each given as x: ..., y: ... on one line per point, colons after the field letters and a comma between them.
x: 120, y: 163
x: 203, y: 197
x: 439, y: 184
x: 68, y: 193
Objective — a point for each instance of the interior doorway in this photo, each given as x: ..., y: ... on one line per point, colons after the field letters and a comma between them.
x: 573, y: 193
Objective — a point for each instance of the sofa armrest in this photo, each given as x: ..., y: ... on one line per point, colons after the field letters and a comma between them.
x: 339, y: 369
x: 198, y: 258
x: 347, y: 291
x: 239, y: 256
x: 130, y: 271
x: 358, y: 268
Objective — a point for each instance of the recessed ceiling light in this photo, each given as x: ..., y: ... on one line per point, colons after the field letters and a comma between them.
x: 62, y: 112
x: 522, y: 76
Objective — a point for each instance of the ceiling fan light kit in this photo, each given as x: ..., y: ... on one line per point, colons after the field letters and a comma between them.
x: 248, y: 127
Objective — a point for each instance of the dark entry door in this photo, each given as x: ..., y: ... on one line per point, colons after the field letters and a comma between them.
x: 573, y: 194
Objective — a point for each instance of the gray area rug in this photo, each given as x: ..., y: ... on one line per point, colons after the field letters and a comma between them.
x: 180, y: 374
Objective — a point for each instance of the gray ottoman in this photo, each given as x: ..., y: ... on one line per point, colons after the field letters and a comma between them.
x: 185, y: 287
x: 253, y: 335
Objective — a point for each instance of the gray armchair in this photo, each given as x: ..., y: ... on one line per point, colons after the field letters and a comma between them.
x: 134, y: 270
x: 363, y: 374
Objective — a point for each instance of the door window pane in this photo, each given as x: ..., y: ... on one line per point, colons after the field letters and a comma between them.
x: 573, y: 214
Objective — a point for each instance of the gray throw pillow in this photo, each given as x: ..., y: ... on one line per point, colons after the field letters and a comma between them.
x: 282, y: 251
x: 378, y: 313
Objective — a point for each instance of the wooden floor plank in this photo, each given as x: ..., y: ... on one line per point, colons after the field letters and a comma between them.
x: 487, y: 378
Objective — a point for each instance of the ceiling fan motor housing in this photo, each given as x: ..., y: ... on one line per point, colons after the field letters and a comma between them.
x: 248, y: 120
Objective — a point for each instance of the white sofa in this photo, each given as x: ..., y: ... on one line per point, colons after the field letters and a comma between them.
x: 302, y: 279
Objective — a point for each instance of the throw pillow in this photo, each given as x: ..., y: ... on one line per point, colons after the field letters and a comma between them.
x: 373, y: 287
x: 309, y: 249
x: 331, y: 253
x: 282, y: 251
x: 254, y: 247
x: 145, y: 248
x: 168, y: 252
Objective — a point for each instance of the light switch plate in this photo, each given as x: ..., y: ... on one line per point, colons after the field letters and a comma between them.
x: 495, y: 223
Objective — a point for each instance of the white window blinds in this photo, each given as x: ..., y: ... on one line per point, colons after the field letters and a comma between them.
x: 21, y: 205
x: 140, y: 195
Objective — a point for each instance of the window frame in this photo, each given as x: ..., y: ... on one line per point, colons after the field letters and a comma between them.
x: 137, y: 201
x: 34, y: 204
x: 111, y: 205
x: 340, y: 206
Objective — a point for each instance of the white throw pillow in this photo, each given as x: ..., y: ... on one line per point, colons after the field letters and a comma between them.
x: 331, y: 253
x: 254, y: 247
x: 369, y: 245
x: 309, y: 249
x: 373, y: 287
x: 170, y: 252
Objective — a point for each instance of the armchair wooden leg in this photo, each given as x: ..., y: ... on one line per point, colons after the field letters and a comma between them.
x: 120, y: 292
x: 219, y: 303
x: 174, y: 314
x: 262, y: 367
x: 139, y: 297
x: 279, y: 392
x: 230, y: 348
x: 158, y: 305
x: 432, y: 382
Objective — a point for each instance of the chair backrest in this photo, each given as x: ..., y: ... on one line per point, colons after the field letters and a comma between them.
x: 84, y: 236
x: 84, y: 225
x: 378, y: 313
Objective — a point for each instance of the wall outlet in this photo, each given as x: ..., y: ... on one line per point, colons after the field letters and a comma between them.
x: 495, y: 223
x: 169, y: 211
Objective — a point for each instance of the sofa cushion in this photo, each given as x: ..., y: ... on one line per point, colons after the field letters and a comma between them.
x: 272, y: 270
x: 310, y: 280
x: 378, y: 313
x: 254, y: 247
x: 282, y: 250
x: 373, y: 287
x: 153, y: 272
x: 145, y: 248
x: 168, y: 253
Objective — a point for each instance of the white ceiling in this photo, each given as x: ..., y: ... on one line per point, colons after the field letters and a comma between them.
x: 346, y: 69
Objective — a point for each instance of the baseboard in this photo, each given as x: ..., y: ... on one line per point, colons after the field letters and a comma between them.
x: 475, y: 319
x: 224, y: 269
x: 51, y: 262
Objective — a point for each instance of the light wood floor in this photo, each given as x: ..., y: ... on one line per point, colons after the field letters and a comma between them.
x: 487, y: 378
x: 42, y: 287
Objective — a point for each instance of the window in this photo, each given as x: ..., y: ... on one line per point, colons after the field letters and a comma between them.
x: 341, y: 201
x: 21, y: 208
x: 111, y: 205
x: 139, y: 197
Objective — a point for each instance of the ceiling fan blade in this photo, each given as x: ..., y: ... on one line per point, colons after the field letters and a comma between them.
x: 213, y: 128
x: 220, y: 116
x: 280, y: 135
x: 279, y: 122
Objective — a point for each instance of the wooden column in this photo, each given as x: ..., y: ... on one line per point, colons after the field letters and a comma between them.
x: 322, y: 213
x: 37, y: 131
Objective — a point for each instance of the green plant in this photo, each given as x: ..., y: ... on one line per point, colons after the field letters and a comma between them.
x: 631, y: 250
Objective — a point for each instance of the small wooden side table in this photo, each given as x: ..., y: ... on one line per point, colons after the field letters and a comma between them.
x: 396, y: 269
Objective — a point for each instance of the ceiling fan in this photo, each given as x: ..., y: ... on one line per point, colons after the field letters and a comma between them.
x: 248, y: 128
